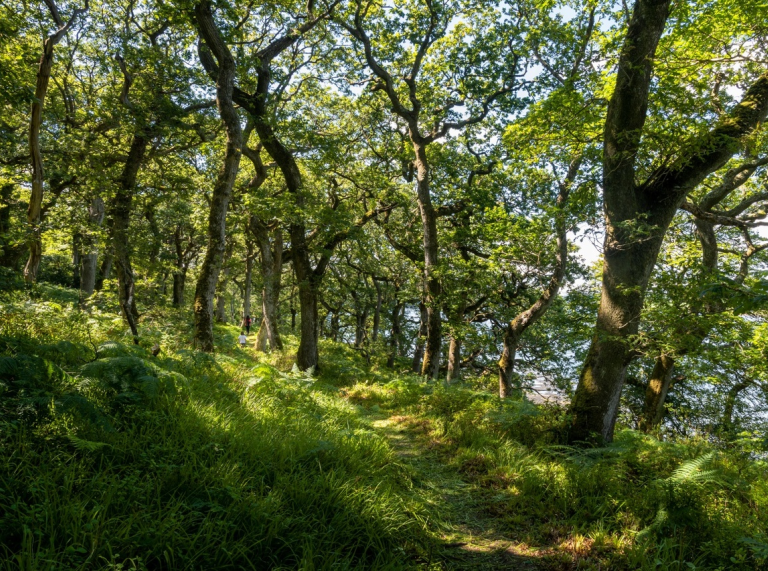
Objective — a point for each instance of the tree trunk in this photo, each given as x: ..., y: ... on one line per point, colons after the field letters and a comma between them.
x: 105, y: 270
x: 77, y: 241
x: 454, y: 360
x: 656, y: 393
x: 508, y: 387
x: 222, y: 192
x: 179, y: 281
x: 637, y: 216
x: 34, y: 219
x: 308, y: 354
x: 120, y: 235
x: 221, y: 297
x: 271, y: 274
x: 261, y: 337
x: 221, y: 303
x: 395, y: 333
x: 89, y: 261
x: 361, y: 318
x: 730, y: 403
x: 180, y: 270
x: 660, y: 381
x: 418, y: 352
x: 431, y: 364
x: 248, y: 286
x: 377, y: 313
x: 335, y: 324
x: 523, y: 320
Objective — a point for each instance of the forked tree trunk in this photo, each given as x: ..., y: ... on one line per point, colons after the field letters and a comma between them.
x: 222, y: 191
x: 89, y: 260
x: 629, y: 256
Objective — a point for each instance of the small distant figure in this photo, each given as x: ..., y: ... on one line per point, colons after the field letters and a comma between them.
x: 243, y: 339
x: 155, y: 349
x: 247, y: 324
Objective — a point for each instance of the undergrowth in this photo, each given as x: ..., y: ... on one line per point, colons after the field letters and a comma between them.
x: 111, y: 458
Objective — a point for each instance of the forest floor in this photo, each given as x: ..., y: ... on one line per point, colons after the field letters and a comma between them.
x: 114, y: 458
x: 473, y: 536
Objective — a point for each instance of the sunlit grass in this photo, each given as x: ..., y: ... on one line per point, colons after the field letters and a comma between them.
x: 113, y: 458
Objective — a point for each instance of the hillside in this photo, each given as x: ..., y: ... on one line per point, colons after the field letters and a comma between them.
x: 112, y: 458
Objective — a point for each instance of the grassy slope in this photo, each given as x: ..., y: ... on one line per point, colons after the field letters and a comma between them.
x: 111, y: 458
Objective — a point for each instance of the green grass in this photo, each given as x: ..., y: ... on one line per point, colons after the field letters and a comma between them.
x: 113, y: 459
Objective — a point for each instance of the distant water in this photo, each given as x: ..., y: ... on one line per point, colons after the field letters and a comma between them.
x: 542, y: 392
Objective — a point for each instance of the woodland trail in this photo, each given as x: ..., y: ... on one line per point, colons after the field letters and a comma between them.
x: 473, y: 538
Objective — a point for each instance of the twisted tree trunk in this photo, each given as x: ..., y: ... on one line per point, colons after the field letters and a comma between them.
x: 34, y: 211
x: 222, y: 191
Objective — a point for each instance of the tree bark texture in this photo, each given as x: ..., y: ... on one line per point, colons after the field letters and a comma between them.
x: 222, y: 192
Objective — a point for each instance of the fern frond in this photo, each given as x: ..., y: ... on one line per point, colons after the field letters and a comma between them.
x: 85, y: 445
x: 693, y: 470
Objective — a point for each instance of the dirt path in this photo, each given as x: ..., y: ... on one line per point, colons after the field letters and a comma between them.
x: 473, y: 538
